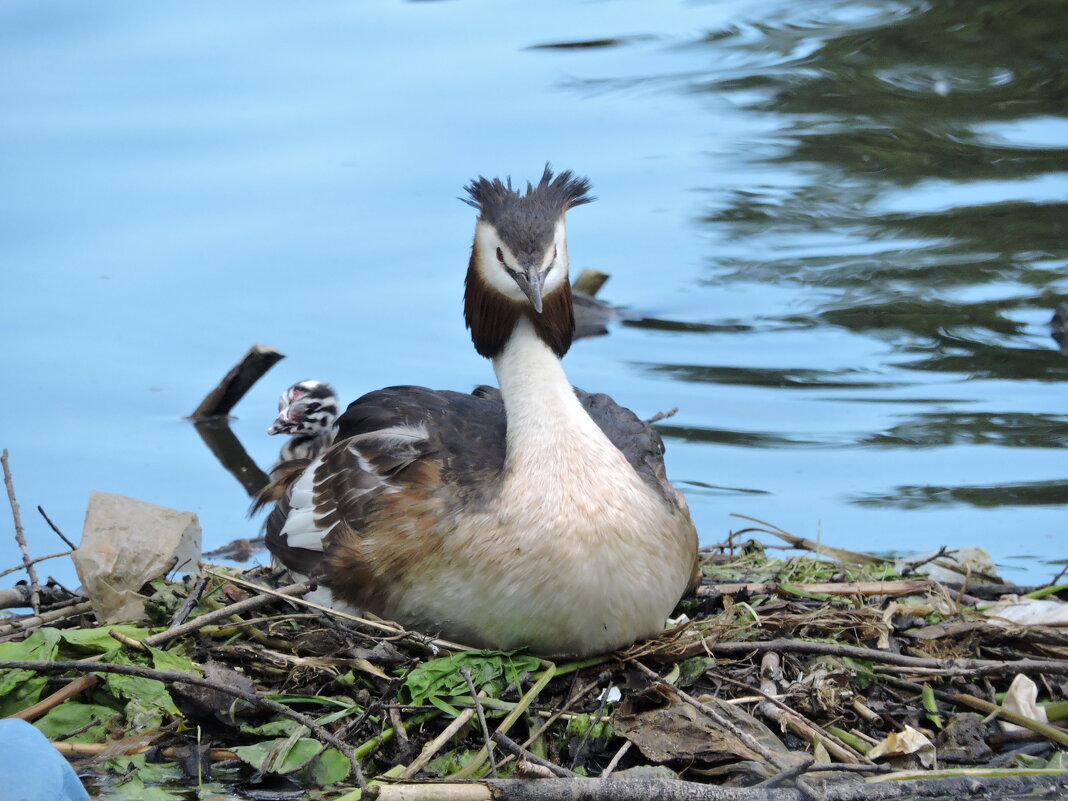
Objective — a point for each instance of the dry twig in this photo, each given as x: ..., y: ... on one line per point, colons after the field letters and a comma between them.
x: 55, y: 528
x: 481, y: 718
x: 20, y: 535
x: 516, y: 750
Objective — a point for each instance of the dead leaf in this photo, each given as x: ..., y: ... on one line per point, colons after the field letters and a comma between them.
x: 903, y: 743
x: 666, y: 728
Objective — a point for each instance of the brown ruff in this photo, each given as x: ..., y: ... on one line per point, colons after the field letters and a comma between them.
x: 492, y: 317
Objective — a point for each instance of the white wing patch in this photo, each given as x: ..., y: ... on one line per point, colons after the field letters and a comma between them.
x: 302, y: 528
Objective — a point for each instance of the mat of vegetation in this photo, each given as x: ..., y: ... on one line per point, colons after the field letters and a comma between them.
x: 822, y: 675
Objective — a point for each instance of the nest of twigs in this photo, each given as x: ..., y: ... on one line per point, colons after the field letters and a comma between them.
x: 786, y: 678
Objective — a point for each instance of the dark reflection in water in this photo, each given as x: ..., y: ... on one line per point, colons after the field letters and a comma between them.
x: 924, y: 204
x: 790, y: 378
x: 905, y: 104
x: 1013, y: 430
x: 588, y: 44
x: 1037, y: 493
x: 747, y: 439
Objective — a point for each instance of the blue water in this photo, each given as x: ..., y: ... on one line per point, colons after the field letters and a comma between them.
x: 838, y: 229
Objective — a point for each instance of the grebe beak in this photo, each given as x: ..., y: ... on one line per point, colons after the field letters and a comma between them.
x: 530, y: 282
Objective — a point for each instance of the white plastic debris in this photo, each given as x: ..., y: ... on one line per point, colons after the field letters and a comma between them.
x: 970, y: 561
x: 125, y: 544
x: 1022, y: 698
x: 1012, y: 610
x: 610, y: 694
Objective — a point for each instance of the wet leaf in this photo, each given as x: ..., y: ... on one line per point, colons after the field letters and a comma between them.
x: 281, y: 755
x: 207, y: 705
x: 964, y: 739
x: 133, y: 788
x: 72, y: 716
x: 148, y: 701
x: 139, y: 764
x: 665, y: 728
x: 329, y: 767
x: 21, y: 688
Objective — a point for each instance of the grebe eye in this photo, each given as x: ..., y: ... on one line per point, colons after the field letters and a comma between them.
x: 500, y: 255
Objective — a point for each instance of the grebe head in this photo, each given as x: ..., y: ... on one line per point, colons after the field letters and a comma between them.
x: 519, y: 259
x: 307, y: 407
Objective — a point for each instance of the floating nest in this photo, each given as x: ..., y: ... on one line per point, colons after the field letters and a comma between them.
x: 812, y: 676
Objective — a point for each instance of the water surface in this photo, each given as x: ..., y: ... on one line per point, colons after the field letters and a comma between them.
x: 838, y: 229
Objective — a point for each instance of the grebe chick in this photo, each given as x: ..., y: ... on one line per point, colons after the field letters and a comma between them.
x: 540, y: 517
x: 307, y: 411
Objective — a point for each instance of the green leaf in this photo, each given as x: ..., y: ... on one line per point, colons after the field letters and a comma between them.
x: 931, y: 705
x: 447, y: 708
x: 319, y: 700
x: 1058, y: 761
x: 297, y: 755
x: 275, y: 728
x: 439, y: 681
x: 42, y: 644
x: 72, y: 715
x: 583, y: 725
x: 450, y: 762
x: 22, y: 688
x: 167, y: 660
x: 279, y: 756
x: 257, y: 754
x: 92, y: 640
x: 800, y: 593
x: 148, y: 701
x: 329, y: 767
x: 690, y: 670
x: 863, y: 673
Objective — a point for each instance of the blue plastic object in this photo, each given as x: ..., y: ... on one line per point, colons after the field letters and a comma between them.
x: 31, y: 769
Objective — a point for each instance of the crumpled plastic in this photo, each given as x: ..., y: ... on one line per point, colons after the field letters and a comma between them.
x: 1011, y: 610
x: 1022, y: 698
x: 127, y: 543
x: 970, y: 562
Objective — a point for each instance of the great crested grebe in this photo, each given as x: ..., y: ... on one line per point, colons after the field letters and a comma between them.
x: 537, y: 515
x: 307, y: 411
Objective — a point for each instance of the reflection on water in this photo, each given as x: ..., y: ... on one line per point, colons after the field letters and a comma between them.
x: 1037, y: 493
x: 923, y: 202
x: 838, y: 228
